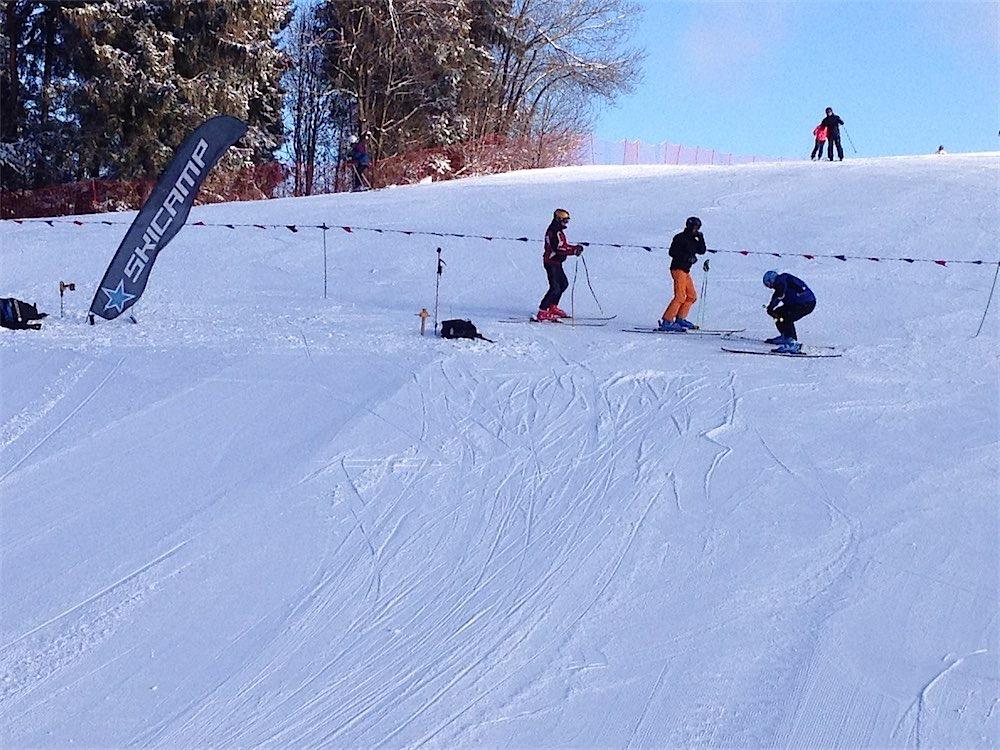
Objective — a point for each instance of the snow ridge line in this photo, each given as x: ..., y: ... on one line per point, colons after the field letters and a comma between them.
x: 98, y: 595
x: 920, y: 704
x: 59, y: 426
x: 458, y: 235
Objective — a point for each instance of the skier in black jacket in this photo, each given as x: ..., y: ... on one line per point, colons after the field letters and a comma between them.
x: 684, y: 251
x: 832, y: 124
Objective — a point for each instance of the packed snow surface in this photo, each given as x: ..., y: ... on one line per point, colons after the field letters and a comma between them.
x: 264, y: 518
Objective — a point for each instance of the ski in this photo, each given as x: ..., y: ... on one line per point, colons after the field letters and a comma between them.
x: 753, y: 340
x: 690, y: 332
x: 800, y: 355
x: 562, y: 321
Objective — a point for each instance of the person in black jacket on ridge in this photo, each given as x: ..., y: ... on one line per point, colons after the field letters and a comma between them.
x: 684, y: 251
x: 832, y: 124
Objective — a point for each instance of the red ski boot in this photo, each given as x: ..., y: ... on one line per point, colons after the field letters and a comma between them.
x: 544, y: 315
x: 558, y: 311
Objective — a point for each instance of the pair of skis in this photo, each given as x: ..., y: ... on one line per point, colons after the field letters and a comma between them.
x: 732, y: 334
x: 587, y: 321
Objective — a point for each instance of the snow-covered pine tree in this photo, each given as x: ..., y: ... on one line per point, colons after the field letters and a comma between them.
x: 150, y: 72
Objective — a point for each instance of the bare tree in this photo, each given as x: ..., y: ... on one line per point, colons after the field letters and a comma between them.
x: 314, y: 108
x: 548, y: 52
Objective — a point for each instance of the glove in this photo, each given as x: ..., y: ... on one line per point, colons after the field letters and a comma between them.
x: 705, y: 264
x: 773, y: 313
x: 579, y: 249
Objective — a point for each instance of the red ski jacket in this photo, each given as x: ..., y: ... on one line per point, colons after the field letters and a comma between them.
x: 556, y: 246
x: 820, y: 132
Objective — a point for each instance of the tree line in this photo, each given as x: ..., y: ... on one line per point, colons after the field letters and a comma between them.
x: 107, y: 90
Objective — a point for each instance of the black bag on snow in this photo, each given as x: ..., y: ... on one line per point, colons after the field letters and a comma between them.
x: 18, y: 315
x: 461, y: 329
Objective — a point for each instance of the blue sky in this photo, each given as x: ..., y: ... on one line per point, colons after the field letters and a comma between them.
x: 755, y: 77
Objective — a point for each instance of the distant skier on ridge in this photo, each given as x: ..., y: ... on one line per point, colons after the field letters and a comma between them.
x: 832, y: 124
x: 792, y: 300
x: 557, y: 249
x: 684, y: 251
x: 820, y: 134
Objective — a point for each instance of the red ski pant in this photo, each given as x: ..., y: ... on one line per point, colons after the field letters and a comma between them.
x: 684, y: 296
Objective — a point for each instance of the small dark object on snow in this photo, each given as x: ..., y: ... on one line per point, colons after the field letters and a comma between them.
x: 18, y: 315
x: 461, y: 329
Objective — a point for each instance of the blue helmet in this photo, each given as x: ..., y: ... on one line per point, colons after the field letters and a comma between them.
x: 769, y: 278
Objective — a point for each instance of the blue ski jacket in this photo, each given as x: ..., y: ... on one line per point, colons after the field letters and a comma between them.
x: 790, y: 290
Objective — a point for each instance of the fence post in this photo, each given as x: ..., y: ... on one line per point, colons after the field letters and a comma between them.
x: 695, y: 154
x: 677, y: 161
x: 713, y: 157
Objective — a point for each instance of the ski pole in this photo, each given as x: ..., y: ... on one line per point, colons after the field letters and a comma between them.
x: 850, y: 141
x: 437, y: 286
x: 586, y: 272
x: 988, y: 301
x: 704, y: 294
x: 572, y: 292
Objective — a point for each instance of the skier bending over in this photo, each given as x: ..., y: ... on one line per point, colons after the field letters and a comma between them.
x: 684, y: 251
x: 556, y: 251
x: 792, y: 300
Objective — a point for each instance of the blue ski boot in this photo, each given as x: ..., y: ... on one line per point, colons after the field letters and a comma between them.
x: 687, y: 324
x: 790, y: 347
x: 670, y: 326
x: 777, y: 340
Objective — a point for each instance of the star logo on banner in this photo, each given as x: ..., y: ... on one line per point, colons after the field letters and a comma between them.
x: 117, y: 297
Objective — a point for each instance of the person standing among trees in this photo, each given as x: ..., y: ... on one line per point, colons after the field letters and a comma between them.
x: 832, y: 124
x: 557, y: 249
x: 684, y: 251
x: 360, y: 161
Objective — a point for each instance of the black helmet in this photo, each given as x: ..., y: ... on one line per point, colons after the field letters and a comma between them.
x: 693, y: 222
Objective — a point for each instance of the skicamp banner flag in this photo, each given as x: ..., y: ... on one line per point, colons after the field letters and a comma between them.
x: 163, y: 215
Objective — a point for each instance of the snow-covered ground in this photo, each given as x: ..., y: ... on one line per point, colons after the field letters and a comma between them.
x: 265, y: 518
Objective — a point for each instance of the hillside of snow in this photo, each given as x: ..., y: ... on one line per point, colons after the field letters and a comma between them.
x: 264, y: 518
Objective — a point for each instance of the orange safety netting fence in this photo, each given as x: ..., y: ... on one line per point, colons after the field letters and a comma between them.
x: 600, y: 151
x: 489, y: 155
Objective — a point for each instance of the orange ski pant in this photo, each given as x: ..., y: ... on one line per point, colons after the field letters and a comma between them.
x: 684, y: 296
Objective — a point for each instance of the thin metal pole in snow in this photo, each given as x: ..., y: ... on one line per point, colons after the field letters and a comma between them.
x: 324, y: 227
x: 437, y: 286
x: 992, y: 288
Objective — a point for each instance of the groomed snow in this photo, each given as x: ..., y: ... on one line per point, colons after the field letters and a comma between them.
x: 264, y: 518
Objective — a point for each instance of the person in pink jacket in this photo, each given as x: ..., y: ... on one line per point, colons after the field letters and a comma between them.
x: 820, y: 132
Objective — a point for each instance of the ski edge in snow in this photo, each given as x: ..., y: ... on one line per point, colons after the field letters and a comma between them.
x: 799, y: 355
x: 562, y: 321
x: 762, y: 342
x: 695, y: 332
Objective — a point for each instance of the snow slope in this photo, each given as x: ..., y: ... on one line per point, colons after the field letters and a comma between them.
x: 265, y: 518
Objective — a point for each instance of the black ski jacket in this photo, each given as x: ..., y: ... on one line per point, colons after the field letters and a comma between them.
x: 685, y: 249
x: 832, y: 124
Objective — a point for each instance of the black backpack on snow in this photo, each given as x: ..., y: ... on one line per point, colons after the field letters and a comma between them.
x: 18, y: 315
x: 461, y: 329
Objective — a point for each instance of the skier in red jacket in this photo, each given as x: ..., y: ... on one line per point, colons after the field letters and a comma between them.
x: 557, y: 249
x: 820, y: 132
